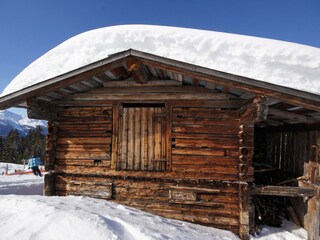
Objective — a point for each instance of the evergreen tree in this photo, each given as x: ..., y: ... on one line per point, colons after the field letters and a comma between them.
x: 12, y: 146
x: 1, y: 148
x: 15, y: 147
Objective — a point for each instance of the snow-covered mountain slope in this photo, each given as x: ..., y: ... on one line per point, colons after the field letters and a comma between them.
x: 10, y: 120
x: 278, y: 62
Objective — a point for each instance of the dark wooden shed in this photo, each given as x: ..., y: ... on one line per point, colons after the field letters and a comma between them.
x: 177, y: 140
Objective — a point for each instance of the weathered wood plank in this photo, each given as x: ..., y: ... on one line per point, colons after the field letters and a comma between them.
x: 149, y: 96
x: 115, y: 135
x: 151, y: 89
x: 206, y: 129
x: 196, y: 143
x: 150, y: 138
x: 144, y: 139
x: 131, y: 83
x: 137, y: 139
x: 204, y: 160
x: 131, y: 134
x: 180, y: 120
x: 205, y: 152
x: 283, y: 191
x: 124, y: 140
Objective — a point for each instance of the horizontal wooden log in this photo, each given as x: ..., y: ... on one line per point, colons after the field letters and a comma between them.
x: 284, y: 191
x: 82, y: 155
x: 85, y: 112
x: 191, y: 143
x: 71, y: 134
x: 204, y: 112
x: 129, y: 83
x: 98, y: 171
x: 83, y: 140
x: 204, y: 160
x: 88, y: 128
x: 86, y: 121
x: 151, y: 89
x: 204, y: 136
x: 83, y: 162
x: 297, y: 118
x: 205, y: 129
x: 228, y: 170
x: 205, y: 152
x: 204, y: 121
x: 150, y: 96
x: 196, y: 189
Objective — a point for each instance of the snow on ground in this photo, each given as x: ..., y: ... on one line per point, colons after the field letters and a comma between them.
x: 283, y: 63
x: 26, y: 215
x: 35, y: 217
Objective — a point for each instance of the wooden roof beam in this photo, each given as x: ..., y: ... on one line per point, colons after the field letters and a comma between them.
x: 285, y: 115
x: 138, y: 71
x: 63, y: 80
x: 284, y: 191
x: 285, y: 94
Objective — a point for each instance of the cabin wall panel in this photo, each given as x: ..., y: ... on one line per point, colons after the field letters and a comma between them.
x: 216, y: 205
x: 198, y: 139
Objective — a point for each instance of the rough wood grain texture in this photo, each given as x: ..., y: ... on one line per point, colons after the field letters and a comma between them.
x: 51, y: 145
x: 49, y: 184
x: 244, y: 205
x: 143, y: 124
x: 148, y: 149
x: 284, y: 191
x: 313, y: 218
x: 253, y: 112
x: 208, y: 202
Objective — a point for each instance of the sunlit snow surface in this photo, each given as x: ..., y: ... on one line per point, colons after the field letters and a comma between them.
x: 35, y: 217
x: 283, y: 63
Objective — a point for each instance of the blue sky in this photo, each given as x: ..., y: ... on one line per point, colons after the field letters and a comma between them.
x: 28, y: 29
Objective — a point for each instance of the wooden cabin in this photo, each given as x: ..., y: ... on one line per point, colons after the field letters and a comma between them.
x: 177, y: 140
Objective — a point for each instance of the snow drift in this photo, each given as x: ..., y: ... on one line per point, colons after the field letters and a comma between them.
x: 283, y: 63
x: 37, y: 217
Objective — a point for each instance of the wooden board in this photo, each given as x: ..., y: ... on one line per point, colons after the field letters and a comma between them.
x: 142, y: 141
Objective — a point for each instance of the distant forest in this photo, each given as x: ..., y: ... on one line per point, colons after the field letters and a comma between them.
x: 16, y: 147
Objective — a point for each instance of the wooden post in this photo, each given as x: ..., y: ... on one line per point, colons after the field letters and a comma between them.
x: 313, y: 203
x: 313, y: 218
x: 49, y: 184
x: 256, y: 110
x: 244, y: 206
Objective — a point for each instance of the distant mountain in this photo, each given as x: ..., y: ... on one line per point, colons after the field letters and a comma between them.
x: 10, y: 120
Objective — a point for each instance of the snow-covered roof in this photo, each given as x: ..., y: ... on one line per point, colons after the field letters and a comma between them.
x: 283, y: 63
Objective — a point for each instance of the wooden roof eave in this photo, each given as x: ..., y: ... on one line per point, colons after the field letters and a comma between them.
x: 18, y: 97
x: 286, y: 94
x: 289, y: 95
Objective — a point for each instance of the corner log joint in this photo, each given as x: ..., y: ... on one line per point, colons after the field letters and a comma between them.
x: 256, y: 110
x: 39, y: 109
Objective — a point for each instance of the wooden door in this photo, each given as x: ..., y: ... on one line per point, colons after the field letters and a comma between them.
x: 142, y: 137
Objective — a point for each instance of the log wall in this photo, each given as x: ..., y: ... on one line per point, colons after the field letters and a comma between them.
x: 200, y: 182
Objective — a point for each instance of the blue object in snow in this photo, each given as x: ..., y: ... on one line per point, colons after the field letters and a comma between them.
x: 35, y: 161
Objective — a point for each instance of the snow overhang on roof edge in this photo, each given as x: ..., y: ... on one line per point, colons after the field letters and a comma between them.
x: 22, y: 95
x: 282, y: 63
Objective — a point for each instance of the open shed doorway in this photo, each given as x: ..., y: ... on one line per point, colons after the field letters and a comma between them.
x: 286, y: 159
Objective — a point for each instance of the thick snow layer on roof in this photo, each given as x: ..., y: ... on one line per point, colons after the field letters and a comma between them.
x: 283, y: 63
